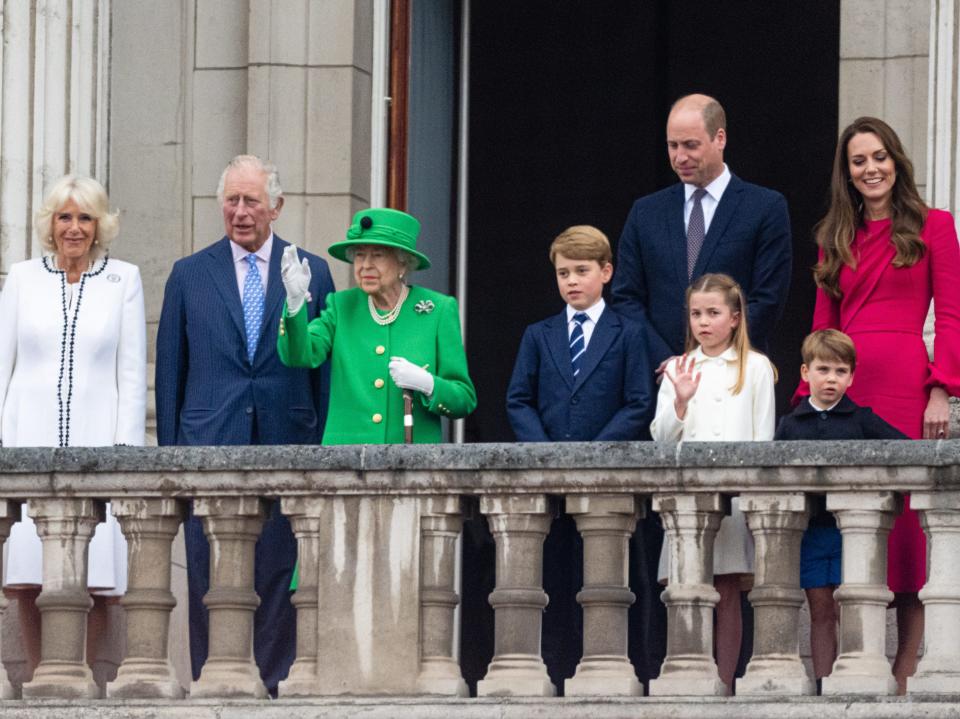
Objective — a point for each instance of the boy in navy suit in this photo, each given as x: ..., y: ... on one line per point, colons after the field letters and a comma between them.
x: 829, y: 359
x: 581, y: 375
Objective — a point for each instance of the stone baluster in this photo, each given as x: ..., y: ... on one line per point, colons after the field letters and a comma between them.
x: 232, y: 526
x: 865, y: 520
x: 519, y: 524
x: 9, y: 513
x: 691, y: 522
x: 605, y: 523
x: 150, y: 526
x: 777, y: 521
x: 304, y: 515
x: 441, y: 520
x: 65, y: 527
x: 939, y: 669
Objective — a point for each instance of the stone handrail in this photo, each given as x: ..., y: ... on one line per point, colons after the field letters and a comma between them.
x: 377, y: 528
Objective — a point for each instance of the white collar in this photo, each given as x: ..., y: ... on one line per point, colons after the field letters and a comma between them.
x: 715, y: 189
x: 593, y: 312
x: 822, y: 409
x: 729, y: 354
x: 240, y: 253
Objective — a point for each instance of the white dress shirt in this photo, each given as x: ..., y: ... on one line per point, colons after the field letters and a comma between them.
x: 242, y: 267
x: 708, y: 202
x: 593, y: 316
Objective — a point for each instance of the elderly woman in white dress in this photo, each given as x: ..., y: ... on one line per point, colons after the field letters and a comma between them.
x: 72, y: 373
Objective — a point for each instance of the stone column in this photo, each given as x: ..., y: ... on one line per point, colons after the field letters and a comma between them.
x: 943, y: 150
x: 304, y: 515
x: 232, y: 526
x: 65, y: 526
x: 865, y: 520
x: 150, y: 526
x: 691, y: 522
x: 53, y: 93
x: 939, y: 669
x: 519, y: 524
x: 606, y: 523
x: 440, y: 523
x: 777, y: 521
x: 9, y: 513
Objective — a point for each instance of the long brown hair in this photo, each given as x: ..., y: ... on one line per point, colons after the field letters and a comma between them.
x: 836, y: 230
x: 734, y: 299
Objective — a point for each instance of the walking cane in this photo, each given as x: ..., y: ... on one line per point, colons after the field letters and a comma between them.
x: 407, y: 417
x: 408, y: 414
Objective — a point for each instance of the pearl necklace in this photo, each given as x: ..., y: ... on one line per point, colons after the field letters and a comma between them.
x: 392, y: 315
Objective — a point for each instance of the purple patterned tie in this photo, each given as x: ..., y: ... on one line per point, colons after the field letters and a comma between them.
x: 695, y: 231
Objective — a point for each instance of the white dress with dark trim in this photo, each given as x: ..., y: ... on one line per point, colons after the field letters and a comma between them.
x: 72, y: 374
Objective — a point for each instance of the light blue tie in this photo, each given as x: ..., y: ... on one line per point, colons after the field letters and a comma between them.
x: 252, y: 306
x: 578, y: 344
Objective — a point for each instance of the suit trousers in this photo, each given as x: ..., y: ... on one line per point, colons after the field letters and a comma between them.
x: 275, y: 620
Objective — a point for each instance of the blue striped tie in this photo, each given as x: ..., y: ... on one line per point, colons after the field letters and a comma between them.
x: 578, y: 344
x: 253, y: 302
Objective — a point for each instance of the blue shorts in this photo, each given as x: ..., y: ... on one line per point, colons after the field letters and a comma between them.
x: 820, y: 551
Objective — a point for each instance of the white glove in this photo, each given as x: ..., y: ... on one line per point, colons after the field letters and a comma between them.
x: 406, y: 375
x: 296, y: 279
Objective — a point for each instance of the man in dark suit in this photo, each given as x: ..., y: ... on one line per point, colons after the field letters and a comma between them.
x: 712, y: 221
x: 219, y: 381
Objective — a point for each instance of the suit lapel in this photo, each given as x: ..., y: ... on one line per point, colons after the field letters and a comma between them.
x: 275, y: 291
x: 725, y: 212
x: 676, y: 233
x: 558, y: 342
x: 224, y: 277
x: 603, y: 336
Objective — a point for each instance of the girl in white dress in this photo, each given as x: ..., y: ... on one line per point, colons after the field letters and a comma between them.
x: 72, y: 374
x: 719, y: 391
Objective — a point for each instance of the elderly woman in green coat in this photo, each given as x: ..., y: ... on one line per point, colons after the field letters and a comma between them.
x: 381, y: 337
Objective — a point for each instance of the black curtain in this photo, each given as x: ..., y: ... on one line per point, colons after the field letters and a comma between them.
x: 568, y: 107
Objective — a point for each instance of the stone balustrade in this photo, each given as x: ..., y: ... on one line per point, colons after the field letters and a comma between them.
x: 377, y: 532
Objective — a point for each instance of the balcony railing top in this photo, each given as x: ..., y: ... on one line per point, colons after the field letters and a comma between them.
x: 475, y: 469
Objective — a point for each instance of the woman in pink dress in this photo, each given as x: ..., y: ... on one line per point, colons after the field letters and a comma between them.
x: 883, y: 256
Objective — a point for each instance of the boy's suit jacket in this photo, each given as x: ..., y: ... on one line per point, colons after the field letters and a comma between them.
x: 611, y: 398
x: 847, y: 420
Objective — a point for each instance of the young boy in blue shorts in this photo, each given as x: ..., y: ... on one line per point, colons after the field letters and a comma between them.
x: 829, y: 360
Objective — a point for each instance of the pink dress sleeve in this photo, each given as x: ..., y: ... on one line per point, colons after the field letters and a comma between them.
x: 826, y: 315
x: 940, y: 235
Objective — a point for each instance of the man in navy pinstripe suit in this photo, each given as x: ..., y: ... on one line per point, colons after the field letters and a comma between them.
x: 219, y: 381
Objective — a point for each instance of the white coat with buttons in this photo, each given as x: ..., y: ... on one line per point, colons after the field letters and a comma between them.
x: 715, y: 414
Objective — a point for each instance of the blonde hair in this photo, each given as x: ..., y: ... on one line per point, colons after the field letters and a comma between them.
x: 582, y: 242
x: 90, y: 198
x: 831, y: 345
x: 734, y: 299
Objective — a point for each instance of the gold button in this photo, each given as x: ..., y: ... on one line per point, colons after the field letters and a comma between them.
x: 380, y: 349
x: 377, y: 418
x: 378, y: 383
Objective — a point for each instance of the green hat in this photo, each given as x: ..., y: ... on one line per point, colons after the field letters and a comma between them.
x: 382, y: 226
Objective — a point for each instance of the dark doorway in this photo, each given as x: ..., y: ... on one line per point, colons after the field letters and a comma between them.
x: 568, y: 103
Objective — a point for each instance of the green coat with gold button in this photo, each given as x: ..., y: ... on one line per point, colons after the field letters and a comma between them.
x: 366, y: 407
